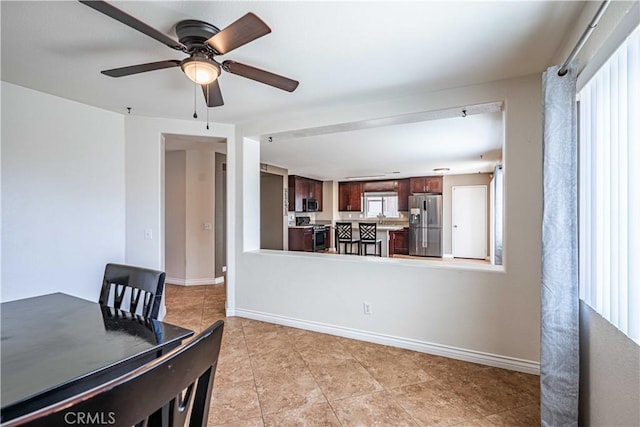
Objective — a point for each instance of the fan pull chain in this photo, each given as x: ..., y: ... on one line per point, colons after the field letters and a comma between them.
x: 195, y: 114
x: 207, y: 107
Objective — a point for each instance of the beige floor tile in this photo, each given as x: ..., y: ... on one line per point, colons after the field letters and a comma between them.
x: 392, y: 371
x: 520, y: 417
x: 325, y: 356
x: 371, y: 410
x: 265, y: 342
x: 286, y: 375
x: 308, y: 340
x: 365, y: 351
x: 480, y: 422
x: 318, y: 415
x: 434, y: 404
x: 252, y: 422
x: 233, y: 368
x: 275, y: 362
x: 292, y: 388
x: 233, y: 403
x: 488, y: 391
x: 346, y: 379
x: 443, y: 368
x: 252, y: 327
x: 209, y: 318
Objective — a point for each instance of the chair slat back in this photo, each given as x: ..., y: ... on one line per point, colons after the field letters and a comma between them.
x: 181, y: 380
x: 134, y: 289
x: 368, y: 231
x: 344, y: 231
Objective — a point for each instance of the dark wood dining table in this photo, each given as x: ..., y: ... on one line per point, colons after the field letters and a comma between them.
x: 55, y: 346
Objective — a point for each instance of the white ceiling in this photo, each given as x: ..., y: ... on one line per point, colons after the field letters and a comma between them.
x: 341, y: 52
x: 465, y: 145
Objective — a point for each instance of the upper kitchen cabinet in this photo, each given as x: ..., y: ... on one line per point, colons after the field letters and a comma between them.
x: 302, y: 189
x: 315, y: 192
x: 399, y: 186
x: 426, y: 184
x: 350, y: 196
x: 379, y: 186
x: 403, y: 194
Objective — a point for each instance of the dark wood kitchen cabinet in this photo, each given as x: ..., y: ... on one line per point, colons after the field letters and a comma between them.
x: 301, y: 239
x: 426, y: 184
x: 399, y: 242
x: 301, y: 188
x: 350, y: 196
x: 315, y: 192
x: 298, y: 189
x: 379, y: 186
x: 403, y: 194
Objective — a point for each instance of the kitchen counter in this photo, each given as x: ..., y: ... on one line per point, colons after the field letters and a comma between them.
x: 383, y: 233
x: 391, y: 227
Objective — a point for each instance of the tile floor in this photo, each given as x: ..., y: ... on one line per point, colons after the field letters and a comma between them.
x: 271, y: 375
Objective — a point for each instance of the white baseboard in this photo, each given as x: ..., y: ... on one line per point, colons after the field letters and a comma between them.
x: 194, y: 282
x: 447, y: 256
x: 495, y: 360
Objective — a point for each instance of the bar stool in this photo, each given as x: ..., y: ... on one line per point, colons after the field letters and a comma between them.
x: 368, y: 236
x: 344, y: 234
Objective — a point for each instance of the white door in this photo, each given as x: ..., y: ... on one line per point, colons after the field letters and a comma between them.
x: 469, y: 221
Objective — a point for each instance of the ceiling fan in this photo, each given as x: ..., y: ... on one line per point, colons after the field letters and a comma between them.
x: 202, y: 42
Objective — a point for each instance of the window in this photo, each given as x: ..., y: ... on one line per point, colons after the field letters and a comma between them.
x: 609, y: 194
x: 378, y: 204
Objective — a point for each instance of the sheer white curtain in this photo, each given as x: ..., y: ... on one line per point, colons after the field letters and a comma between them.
x: 609, y: 134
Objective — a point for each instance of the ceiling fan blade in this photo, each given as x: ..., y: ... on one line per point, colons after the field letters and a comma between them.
x: 261, y: 76
x: 117, y: 14
x: 141, y: 68
x: 212, y: 94
x: 242, y: 31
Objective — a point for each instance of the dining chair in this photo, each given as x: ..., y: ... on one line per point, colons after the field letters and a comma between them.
x: 173, y: 390
x: 134, y: 289
x: 344, y: 234
x: 369, y: 236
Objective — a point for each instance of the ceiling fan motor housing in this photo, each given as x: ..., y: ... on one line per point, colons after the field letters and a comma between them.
x: 194, y: 34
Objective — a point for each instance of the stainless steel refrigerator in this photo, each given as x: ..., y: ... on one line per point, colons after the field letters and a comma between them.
x: 425, y: 225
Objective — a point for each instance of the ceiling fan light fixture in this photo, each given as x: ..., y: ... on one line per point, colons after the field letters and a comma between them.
x: 200, y: 70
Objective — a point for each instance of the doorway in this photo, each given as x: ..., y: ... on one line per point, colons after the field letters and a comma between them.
x: 194, y: 210
x: 469, y: 221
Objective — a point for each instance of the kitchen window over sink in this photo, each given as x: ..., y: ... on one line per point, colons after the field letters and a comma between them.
x: 381, y: 205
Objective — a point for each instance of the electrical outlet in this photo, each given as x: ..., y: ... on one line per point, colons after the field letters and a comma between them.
x: 367, y: 308
x: 224, y: 268
x: 148, y: 234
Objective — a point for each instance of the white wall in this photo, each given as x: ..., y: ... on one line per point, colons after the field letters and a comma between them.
x: 491, y: 315
x: 609, y: 373
x: 200, y: 243
x: 175, y: 214
x: 63, y: 195
x: 144, y: 155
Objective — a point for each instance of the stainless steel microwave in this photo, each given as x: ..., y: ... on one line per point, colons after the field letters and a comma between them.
x: 310, y: 205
